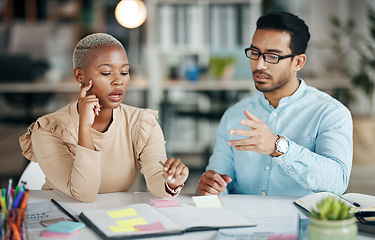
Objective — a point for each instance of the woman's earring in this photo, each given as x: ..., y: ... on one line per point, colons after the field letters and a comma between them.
x: 80, y: 85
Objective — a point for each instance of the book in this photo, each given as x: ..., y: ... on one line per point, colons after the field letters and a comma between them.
x: 142, y: 220
x: 358, y: 201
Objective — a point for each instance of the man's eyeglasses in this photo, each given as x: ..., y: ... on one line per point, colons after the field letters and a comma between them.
x: 267, y: 57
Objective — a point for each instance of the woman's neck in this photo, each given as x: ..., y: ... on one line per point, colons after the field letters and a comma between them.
x: 103, y: 120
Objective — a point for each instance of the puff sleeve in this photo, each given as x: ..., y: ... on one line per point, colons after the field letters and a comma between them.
x: 70, y: 168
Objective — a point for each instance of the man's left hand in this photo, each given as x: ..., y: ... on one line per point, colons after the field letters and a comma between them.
x: 260, y: 137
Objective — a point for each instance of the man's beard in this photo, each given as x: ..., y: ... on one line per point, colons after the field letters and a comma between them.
x: 283, y: 80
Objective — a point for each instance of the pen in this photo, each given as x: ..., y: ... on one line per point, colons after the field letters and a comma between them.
x: 9, y: 187
x: 64, y: 210
x: 351, y: 202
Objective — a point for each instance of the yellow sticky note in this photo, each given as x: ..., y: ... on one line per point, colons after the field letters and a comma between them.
x: 122, y: 213
x: 211, y: 201
x: 127, y: 225
x: 122, y: 229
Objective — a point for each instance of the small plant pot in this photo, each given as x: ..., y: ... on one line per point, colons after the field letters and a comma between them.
x: 332, y: 229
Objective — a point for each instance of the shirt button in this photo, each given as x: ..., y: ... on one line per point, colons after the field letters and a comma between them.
x: 281, y: 161
x: 263, y: 193
x: 268, y: 168
x: 265, y: 101
x: 274, y: 114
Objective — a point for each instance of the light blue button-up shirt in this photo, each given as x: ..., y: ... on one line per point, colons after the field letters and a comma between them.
x: 319, y: 130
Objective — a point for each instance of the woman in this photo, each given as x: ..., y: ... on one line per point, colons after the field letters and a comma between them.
x: 95, y: 145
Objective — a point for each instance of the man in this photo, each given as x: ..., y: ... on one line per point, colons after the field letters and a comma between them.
x: 288, y: 139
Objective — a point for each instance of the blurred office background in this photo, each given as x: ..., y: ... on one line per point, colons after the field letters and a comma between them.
x: 187, y: 61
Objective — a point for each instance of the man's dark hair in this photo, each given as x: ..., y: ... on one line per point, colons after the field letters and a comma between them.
x: 284, y: 21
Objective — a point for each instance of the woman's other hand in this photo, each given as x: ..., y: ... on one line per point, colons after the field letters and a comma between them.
x: 88, y: 107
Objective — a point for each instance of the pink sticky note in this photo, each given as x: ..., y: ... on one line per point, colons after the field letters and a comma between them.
x: 58, y: 234
x: 285, y: 236
x: 165, y: 203
x: 156, y: 226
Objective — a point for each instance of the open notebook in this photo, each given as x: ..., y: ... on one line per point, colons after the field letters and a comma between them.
x: 142, y: 220
x: 358, y: 201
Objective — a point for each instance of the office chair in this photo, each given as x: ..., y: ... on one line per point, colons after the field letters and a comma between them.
x: 33, y: 176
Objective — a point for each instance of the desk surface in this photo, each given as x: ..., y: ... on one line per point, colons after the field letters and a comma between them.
x: 245, y: 205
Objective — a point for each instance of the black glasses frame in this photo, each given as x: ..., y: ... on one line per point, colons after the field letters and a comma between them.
x: 362, y: 215
x: 264, y: 55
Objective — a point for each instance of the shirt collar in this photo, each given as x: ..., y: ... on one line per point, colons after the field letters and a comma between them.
x: 294, y: 97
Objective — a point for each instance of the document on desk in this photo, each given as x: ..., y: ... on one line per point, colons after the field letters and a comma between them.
x: 41, y: 214
x: 142, y: 220
x: 268, y: 227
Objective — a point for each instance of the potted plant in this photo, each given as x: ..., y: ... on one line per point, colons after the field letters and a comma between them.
x: 222, y: 68
x: 332, y: 220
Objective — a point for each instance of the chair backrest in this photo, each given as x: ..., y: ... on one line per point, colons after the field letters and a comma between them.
x: 33, y: 176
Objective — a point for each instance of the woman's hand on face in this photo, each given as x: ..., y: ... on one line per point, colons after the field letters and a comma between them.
x: 88, y: 106
x: 175, y: 172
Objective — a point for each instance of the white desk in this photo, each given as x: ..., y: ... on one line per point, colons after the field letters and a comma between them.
x: 245, y: 205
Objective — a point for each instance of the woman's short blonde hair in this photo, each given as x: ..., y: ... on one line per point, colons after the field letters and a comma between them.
x: 84, y: 47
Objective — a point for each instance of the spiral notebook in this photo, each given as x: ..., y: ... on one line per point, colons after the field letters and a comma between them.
x: 142, y: 220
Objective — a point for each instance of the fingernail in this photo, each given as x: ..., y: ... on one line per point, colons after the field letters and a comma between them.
x: 165, y: 169
x: 90, y: 81
x: 173, y: 179
x: 170, y: 171
x: 231, y: 131
x: 230, y: 143
x: 170, y: 178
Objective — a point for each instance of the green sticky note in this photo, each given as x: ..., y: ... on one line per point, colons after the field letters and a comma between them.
x: 211, y: 201
x: 65, y: 227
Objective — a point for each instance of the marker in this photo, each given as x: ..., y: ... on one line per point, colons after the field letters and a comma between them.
x: 22, y: 208
x: 17, y: 200
x: 16, y: 192
x: 64, y: 210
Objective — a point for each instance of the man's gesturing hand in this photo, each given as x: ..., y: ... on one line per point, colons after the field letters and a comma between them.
x: 259, y: 139
x: 213, y: 183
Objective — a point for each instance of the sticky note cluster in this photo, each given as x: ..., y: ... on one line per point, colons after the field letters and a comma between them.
x: 133, y: 222
x: 63, y: 229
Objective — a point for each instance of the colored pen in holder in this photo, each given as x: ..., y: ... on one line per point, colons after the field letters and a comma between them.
x: 13, y: 221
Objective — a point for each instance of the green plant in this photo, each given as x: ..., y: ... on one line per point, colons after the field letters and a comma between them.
x: 345, y: 40
x: 332, y: 209
x: 218, y: 65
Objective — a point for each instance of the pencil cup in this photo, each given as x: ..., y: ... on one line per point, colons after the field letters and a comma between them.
x: 332, y: 229
x: 15, y: 225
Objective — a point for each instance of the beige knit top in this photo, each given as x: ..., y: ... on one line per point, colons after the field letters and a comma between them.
x: 134, y: 140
